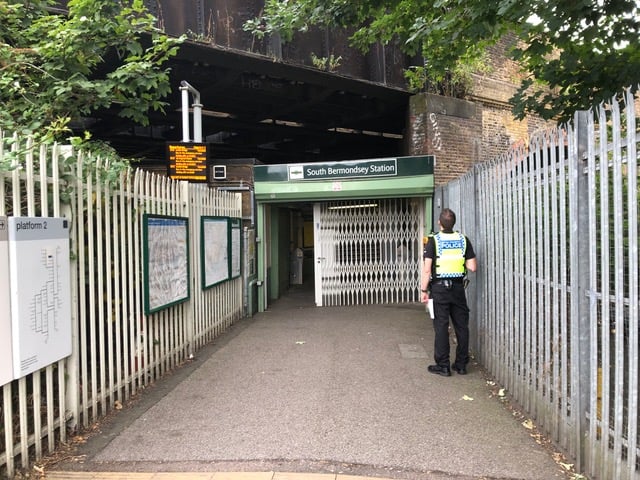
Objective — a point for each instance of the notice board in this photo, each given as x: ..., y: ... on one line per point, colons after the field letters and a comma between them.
x: 40, y: 277
x: 236, y: 246
x: 166, y: 261
x: 214, y: 250
x: 188, y: 161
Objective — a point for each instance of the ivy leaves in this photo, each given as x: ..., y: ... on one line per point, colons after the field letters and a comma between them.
x: 53, y: 69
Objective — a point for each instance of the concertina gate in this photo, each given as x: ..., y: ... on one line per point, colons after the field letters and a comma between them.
x: 369, y: 250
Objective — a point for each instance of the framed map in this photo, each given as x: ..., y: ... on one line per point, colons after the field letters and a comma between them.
x: 215, y: 252
x: 166, y: 261
x: 236, y: 246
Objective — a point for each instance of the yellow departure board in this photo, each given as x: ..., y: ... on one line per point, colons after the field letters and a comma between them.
x: 188, y: 161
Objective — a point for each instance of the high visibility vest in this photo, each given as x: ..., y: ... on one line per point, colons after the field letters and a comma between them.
x: 450, y: 251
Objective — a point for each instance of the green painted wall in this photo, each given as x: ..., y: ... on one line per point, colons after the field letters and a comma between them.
x: 279, y: 245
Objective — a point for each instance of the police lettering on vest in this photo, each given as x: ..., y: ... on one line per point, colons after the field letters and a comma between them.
x: 450, y: 251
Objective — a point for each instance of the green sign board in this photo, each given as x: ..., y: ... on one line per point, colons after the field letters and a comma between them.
x: 353, y: 169
x: 388, y: 168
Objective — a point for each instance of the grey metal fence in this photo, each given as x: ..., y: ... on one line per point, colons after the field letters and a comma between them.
x: 555, y: 226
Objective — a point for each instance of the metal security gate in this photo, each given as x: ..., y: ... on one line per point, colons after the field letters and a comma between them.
x: 368, y: 251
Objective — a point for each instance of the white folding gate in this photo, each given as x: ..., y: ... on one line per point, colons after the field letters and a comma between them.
x: 368, y: 251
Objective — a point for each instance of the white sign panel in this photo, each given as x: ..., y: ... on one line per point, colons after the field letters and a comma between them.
x: 40, y: 292
x: 6, y: 357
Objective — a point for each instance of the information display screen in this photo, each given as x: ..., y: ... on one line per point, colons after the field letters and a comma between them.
x: 188, y: 161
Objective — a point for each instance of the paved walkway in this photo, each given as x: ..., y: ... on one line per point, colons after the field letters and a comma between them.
x: 300, y: 392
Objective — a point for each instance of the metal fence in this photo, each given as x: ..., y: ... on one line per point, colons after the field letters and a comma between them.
x: 117, y: 348
x: 555, y: 226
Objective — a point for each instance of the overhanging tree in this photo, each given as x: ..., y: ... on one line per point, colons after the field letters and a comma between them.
x: 574, y: 54
x: 53, y: 69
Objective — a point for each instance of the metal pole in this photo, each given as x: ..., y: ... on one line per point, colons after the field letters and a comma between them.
x: 186, y: 88
x: 580, y: 351
x: 185, y: 113
x: 197, y: 122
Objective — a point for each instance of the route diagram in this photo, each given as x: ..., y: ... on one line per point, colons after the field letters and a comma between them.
x: 40, y: 286
x: 45, y: 303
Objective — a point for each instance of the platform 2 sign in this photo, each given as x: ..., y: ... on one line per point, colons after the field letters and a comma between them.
x: 40, y: 285
x: 188, y: 161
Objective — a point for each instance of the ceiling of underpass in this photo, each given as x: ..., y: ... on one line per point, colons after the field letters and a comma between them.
x: 275, y: 112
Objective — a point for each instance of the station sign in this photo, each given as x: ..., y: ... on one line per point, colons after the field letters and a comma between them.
x: 350, y: 169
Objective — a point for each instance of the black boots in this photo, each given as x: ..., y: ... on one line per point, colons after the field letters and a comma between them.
x: 439, y: 370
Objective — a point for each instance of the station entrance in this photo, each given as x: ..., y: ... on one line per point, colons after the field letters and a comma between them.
x: 358, y: 239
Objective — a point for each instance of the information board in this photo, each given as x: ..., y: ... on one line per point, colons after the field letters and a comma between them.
x: 236, y: 246
x: 166, y: 261
x: 6, y: 356
x: 188, y: 161
x: 40, y: 292
x: 215, y: 250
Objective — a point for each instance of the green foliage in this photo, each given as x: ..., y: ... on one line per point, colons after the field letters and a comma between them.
x: 285, y: 21
x: 576, y: 54
x: 330, y: 64
x: 53, y: 69
x: 451, y: 83
x: 95, y: 159
x: 86, y: 153
x: 579, y: 56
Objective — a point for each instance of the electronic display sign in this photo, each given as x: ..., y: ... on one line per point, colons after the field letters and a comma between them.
x: 188, y: 161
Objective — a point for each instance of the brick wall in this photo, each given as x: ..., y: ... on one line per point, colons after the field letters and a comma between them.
x: 463, y: 132
x: 240, y: 178
x: 448, y: 128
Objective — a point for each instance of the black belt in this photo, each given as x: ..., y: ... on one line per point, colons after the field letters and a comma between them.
x: 449, y: 281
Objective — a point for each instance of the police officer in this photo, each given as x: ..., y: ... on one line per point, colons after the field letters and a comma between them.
x: 448, y: 255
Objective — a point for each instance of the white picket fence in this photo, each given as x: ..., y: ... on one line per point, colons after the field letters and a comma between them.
x: 117, y: 349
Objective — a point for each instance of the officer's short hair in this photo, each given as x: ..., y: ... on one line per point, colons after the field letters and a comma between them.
x: 447, y: 218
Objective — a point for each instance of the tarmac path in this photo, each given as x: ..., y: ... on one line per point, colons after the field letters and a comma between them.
x: 316, y: 393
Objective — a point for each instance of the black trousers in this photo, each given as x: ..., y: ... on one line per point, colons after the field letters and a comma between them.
x: 450, y: 303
